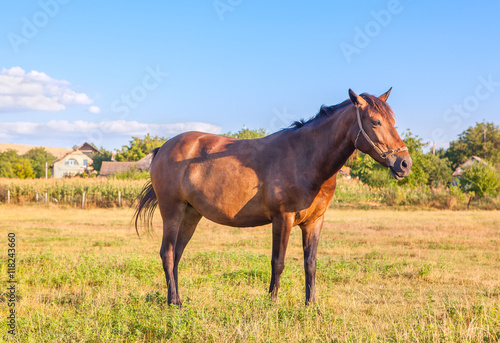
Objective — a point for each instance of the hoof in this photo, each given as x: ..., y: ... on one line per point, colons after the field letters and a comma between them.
x: 175, y: 303
x: 310, y: 301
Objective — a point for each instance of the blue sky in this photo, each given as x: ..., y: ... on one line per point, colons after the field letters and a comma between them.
x: 74, y: 71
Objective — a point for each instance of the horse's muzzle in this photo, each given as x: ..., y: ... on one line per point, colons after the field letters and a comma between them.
x: 401, y: 167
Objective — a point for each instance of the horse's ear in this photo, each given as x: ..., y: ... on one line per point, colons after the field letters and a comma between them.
x: 384, y: 96
x: 357, y: 100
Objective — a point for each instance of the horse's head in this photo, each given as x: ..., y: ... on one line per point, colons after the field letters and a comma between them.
x: 373, y: 133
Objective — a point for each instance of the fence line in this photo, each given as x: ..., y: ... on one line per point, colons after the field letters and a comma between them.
x: 74, y: 198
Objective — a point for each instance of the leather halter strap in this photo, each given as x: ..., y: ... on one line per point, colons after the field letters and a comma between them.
x: 382, y: 154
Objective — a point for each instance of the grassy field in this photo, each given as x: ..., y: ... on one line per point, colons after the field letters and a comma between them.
x: 383, y: 276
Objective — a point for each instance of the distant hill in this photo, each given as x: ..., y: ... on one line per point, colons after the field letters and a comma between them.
x: 22, y: 149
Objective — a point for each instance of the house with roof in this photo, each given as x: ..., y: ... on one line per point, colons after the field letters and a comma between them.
x: 77, y: 161
x: 467, y: 164
x: 345, y: 172
x: 109, y: 168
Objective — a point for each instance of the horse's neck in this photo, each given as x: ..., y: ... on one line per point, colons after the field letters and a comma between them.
x: 327, y: 144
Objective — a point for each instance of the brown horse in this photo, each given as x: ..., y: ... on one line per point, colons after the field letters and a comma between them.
x: 287, y: 178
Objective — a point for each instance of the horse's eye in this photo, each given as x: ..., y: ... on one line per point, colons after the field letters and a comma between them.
x: 376, y: 123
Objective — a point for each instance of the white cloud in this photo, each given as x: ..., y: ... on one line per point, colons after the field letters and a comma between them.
x: 94, y: 109
x: 21, y: 91
x: 96, y: 131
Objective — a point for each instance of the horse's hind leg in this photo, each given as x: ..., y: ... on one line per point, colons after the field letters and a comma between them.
x: 186, y: 230
x: 172, y: 215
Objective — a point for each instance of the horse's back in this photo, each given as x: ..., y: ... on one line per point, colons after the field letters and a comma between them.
x: 218, y: 175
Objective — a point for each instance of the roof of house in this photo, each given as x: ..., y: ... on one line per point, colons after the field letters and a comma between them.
x: 345, y: 171
x: 109, y: 167
x: 467, y: 164
x: 145, y: 162
x: 21, y: 149
x: 88, y: 149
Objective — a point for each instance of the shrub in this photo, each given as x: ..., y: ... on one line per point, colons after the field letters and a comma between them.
x: 370, y: 172
x: 479, y: 180
x: 132, y: 174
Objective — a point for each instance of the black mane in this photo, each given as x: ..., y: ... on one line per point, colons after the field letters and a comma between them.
x: 324, y: 111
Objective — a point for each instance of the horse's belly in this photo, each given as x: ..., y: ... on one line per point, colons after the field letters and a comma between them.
x: 226, y: 192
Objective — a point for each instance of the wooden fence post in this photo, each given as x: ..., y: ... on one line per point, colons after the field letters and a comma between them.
x: 83, y: 200
x: 36, y: 196
x: 119, y: 198
x: 46, y: 198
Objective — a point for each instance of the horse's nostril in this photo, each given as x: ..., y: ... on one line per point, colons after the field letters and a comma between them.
x: 404, y: 164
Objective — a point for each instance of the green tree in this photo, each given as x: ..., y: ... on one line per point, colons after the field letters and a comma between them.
x: 97, y: 159
x: 441, y: 153
x: 418, y: 175
x: 38, y: 157
x: 6, y: 160
x: 438, y: 169
x: 478, y: 180
x: 245, y: 133
x: 6, y: 168
x: 13, y: 165
x: 482, y: 140
x: 139, y: 148
x: 23, y: 170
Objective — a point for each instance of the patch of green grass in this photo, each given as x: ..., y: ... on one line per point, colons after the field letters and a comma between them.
x: 378, y: 280
x: 101, y: 244
x: 446, y: 246
x: 46, y: 239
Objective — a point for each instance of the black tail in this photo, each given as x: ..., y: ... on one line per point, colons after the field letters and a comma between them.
x: 147, y: 203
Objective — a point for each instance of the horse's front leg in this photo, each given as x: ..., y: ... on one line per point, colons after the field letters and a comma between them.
x: 282, y: 225
x: 310, y: 238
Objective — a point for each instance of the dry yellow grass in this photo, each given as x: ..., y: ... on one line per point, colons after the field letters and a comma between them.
x: 420, y: 276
